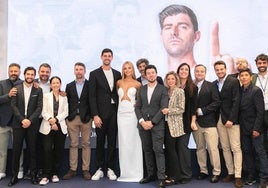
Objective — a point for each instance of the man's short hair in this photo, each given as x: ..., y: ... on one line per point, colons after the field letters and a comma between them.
x: 246, y: 70
x: 201, y: 65
x: 28, y: 69
x: 14, y: 65
x: 173, y: 10
x: 150, y: 67
x: 45, y: 65
x: 262, y: 57
x: 142, y: 60
x: 220, y: 62
x: 80, y: 64
x: 106, y: 50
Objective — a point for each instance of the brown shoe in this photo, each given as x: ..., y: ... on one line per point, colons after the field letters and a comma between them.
x: 228, y: 178
x: 238, y: 183
x: 86, y: 175
x: 70, y: 174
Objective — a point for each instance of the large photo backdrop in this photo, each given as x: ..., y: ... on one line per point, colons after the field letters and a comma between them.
x: 62, y: 32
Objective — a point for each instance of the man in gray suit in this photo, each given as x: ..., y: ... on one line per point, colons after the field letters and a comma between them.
x: 151, y: 99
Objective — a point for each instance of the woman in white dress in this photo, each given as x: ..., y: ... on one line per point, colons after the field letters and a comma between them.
x: 129, y: 143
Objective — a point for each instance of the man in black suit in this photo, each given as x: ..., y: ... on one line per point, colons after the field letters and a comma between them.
x: 205, y: 134
x: 228, y: 127
x: 27, y: 107
x: 151, y: 99
x: 79, y: 121
x: 141, y: 64
x: 7, y: 91
x: 103, y: 100
x: 251, y: 121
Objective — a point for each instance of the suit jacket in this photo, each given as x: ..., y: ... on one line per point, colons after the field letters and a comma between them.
x: 176, y: 108
x: 100, y: 92
x: 34, y: 108
x: 208, y: 100
x: 81, y: 103
x: 151, y: 111
x: 230, y: 99
x: 6, y: 112
x: 159, y: 80
x: 251, y: 110
x: 48, y: 112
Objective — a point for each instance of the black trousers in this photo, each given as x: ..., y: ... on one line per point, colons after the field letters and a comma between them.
x: 19, y: 135
x: 109, y: 130
x: 53, y: 149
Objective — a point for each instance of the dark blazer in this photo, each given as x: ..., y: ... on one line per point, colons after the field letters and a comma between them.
x: 230, y: 99
x: 251, y: 110
x: 208, y: 100
x: 159, y: 80
x: 6, y: 112
x: 100, y: 92
x: 75, y: 102
x: 190, y: 108
x: 151, y: 111
x: 34, y: 109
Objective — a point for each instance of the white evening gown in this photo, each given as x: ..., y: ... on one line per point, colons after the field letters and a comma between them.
x: 129, y: 142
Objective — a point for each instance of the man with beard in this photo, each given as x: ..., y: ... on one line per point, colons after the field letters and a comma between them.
x: 151, y: 100
x: 79, y: 121
x: 26, y: 107
x: 43, y: 82
x: 7, y: 91
x: 261, y: 80
x: 103, y: 101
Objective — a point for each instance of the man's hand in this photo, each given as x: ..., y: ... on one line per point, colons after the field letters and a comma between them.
x: 12, y: 92
x: 25, y: 123
x: 228, y: 124
x: 146, y: 125
x: 97, y: 121
x: 215, y: 50
x: 255, y: 134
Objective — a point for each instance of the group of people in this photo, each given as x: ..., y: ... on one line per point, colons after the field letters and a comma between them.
x: 153, y: 119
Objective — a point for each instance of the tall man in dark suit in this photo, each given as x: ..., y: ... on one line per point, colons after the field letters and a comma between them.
x: 151, y: 99
x: 206, y: 135
x: 251, y: 121
x: 228, y: 127
x: 27, y: 107
x: 7, y: 91
x: 141, y: 64
x: 103, y: 100
x: 79, y: 121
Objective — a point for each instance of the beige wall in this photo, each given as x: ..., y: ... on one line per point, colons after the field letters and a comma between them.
x: 3, y: 38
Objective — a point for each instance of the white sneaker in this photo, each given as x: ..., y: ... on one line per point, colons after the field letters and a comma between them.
x: 111, y: 175
x: 2, y: 175
x: 44, y: 181
x: 20, y: 175
x: 55, y: 179
x: 98, y: 174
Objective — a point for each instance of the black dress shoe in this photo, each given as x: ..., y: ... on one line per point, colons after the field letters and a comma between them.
x: 184, y: 180
x: 27, y: 176
x: 202, y: 176
x: 13, y: 181
x: 214, y: 179
x: 34, y: 180
x: 161, y: 184
x: 147, y: 179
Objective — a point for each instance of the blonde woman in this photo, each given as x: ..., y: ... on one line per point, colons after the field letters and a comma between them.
x: 129, y: 142
x: 174, y: 126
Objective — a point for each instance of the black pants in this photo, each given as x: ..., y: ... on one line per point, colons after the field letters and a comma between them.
x: 109, y: 130
x: 19, y: 134
x: 53, y: 149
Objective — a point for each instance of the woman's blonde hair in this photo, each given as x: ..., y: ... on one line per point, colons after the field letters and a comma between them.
x: 132, y: 67
x: 176, y: 77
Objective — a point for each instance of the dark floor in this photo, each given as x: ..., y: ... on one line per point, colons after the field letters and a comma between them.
x: 78, y: 182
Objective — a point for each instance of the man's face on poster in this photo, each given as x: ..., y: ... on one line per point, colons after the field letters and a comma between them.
x: 178, y: 35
